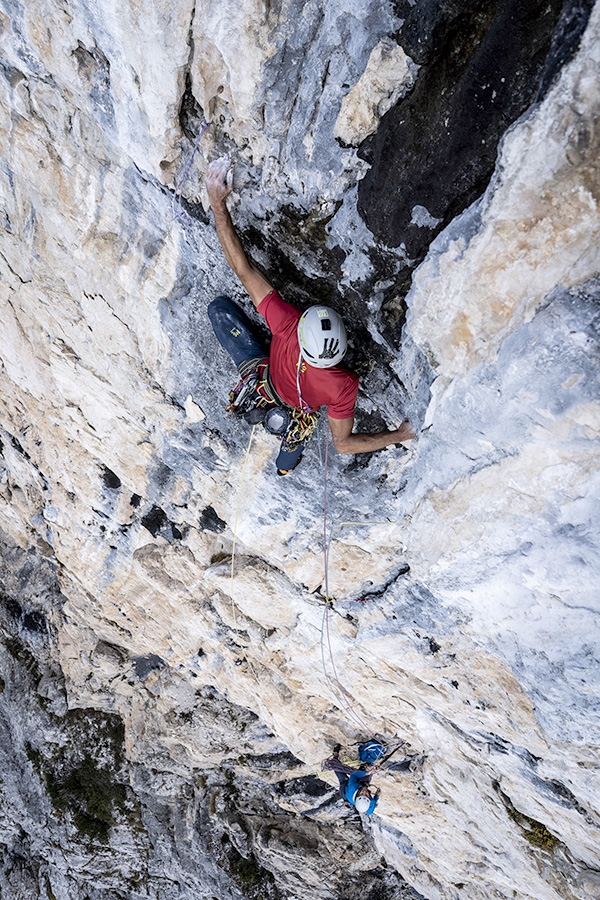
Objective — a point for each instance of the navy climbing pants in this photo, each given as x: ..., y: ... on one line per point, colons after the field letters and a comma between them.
x: 234, y: 331
x: 237, y: 335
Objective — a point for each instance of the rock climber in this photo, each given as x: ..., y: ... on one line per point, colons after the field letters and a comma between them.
x: 357, y: 792
x: 354, y: 783
x: 302, y: 371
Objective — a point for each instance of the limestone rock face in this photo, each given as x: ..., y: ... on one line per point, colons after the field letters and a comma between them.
x: 171, y: 677
x: 388, y: 76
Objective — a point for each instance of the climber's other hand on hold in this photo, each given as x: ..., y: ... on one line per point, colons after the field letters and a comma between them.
x: 405, y: 432
x: 347, y: 441
x: 219, y: 180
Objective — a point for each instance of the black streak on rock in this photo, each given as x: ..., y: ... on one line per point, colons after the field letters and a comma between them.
x: 17, y: 446
x: 210, y: 521
x: 111, y: 480
x: 155, y: 520
x: 31, y: 620
x: 157, y: 523
x: 437, y: 149
x: 190, y: 113
x: 35, y: 622
x: 143, y: 665
x: 434, y: 646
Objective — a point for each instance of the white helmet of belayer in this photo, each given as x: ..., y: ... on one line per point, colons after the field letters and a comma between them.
x: 322, y: 337
x: 362, y: 803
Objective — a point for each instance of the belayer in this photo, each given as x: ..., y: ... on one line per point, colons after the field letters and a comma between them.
x: 354, y: 783
x: 302, y: 371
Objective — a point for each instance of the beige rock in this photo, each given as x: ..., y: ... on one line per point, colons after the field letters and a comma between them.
x: 471, y: 658
x: 389, y: 74
x: 540, y: 227
x: 231, y: 45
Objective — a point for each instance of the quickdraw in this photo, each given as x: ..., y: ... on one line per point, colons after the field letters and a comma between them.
x: 253, y: 386
x: 255, y: 390
x: 241, y: 393
x: 300, y: 428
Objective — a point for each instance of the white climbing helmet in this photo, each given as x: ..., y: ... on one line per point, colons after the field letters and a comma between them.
x: 322, y: 337
x: 362, y: 803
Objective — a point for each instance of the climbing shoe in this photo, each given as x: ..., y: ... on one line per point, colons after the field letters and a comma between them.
x: 287, y: 471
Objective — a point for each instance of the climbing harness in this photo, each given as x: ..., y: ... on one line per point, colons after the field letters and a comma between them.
x: 256, y: 398
x: 181, y: 213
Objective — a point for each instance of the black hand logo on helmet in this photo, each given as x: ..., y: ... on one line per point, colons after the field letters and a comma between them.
x: 331, y: 347
x: 322, y: 337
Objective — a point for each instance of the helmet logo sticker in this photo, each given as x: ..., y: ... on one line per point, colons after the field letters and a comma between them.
x: 322, y: 337
x: 330, y: 348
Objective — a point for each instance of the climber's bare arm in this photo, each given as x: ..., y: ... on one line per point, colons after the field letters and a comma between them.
x: 219, y: 182
x: 347, y: 442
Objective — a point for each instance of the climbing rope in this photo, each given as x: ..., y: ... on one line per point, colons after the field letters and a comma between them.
x: 235, y: 521
x: 339, y: 692
x: 176, y: 202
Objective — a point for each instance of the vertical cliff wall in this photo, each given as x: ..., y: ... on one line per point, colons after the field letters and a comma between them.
x: 431, y: 170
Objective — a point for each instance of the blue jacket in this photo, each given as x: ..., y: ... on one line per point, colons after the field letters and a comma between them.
x: 354, y: 783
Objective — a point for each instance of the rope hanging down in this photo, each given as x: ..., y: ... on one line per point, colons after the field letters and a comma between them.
x: 181, y: 213
x: 340, y: 693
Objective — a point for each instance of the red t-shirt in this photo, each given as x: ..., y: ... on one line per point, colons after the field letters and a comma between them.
x: 335, y: 388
